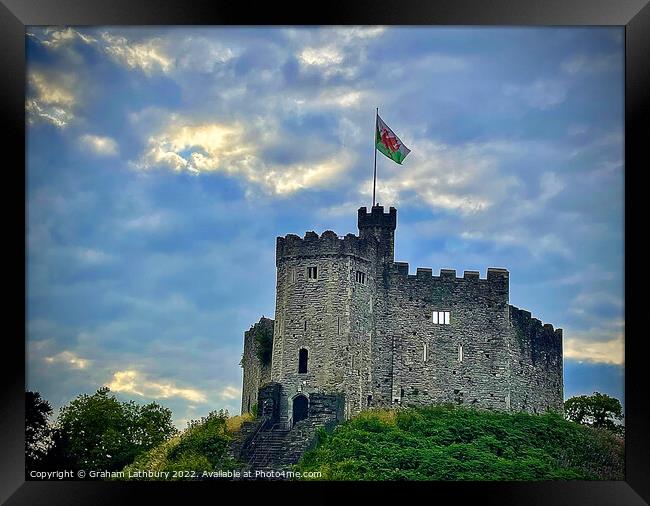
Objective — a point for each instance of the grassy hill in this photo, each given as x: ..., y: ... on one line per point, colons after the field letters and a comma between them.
x: 203, y: 446
x: 452, y: 443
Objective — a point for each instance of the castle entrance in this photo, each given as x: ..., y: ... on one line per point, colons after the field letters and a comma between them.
x: 300, y: 408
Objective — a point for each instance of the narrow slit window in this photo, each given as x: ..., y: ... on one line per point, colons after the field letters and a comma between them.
x: 293, y: 275
x: 361, y: 277
x: 338, y: 325
x: 460, y: 353
x: 312, y: 272
x: 303, y: 357
x: 305, y: 324
x: 424, y: 354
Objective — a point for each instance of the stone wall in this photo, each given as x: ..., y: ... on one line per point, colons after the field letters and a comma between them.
x: 478, y: 308
x: 255, y: 373
x: 537, y: 374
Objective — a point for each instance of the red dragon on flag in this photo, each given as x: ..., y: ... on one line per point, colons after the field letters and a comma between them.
x: 389, y: 144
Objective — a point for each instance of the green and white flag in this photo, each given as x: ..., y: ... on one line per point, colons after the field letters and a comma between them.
x: 388, y: 143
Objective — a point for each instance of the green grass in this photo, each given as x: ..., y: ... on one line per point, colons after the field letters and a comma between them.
x: 453, y: 443
x: 203, y: 446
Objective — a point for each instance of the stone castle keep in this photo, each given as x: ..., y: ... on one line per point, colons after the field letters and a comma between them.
x: 353, y: 330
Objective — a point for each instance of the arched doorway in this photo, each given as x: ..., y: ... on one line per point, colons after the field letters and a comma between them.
x: 300, y: 408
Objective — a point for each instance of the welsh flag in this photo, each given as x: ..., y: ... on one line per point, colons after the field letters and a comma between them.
x: 388, y: 143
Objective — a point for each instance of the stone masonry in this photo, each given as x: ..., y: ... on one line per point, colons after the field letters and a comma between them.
x: 354, y: 324
x: 256, y: 373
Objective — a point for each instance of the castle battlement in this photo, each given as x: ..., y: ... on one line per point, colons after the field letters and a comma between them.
x: 493, y: 273
x: 533, y: 326
x: 377, y: 218
x: 327, y: 244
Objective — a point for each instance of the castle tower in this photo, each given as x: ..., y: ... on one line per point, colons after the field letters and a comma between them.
x: 323, y: 327
x: 381, y: 226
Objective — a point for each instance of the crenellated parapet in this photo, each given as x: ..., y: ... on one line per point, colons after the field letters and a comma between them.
x: 377, y: 218
x: 494, y: 275
x: 537, y: 338
x: 327, y: 244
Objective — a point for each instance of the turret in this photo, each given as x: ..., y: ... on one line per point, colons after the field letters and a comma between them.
x: 381, y: 226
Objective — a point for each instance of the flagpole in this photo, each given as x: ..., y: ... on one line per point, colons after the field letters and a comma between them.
x: 374, y: 142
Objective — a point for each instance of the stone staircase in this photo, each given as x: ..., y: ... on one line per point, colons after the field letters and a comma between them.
x: 268, y: 451
x: 273, y: 447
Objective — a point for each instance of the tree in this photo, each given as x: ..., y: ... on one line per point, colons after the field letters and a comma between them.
x: 37, y: 429
x: 100, y: 432
x: 597, y: 410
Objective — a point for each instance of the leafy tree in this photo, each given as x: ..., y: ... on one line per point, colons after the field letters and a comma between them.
x: 100, y: 432
x: 598, y: 410
x: 38, y: 433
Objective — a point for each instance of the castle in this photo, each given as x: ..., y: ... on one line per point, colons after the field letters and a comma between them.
x: 354, y: 330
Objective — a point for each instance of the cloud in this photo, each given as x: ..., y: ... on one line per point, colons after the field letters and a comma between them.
x: 352, y: 33
x: 584, y: 348
x: 321, y: 57
x: 230, y: 392
x: 200, y: 54
x: 49, y: 98
x: 540, y: 94
x: 103, y: 146
x: 152, y: 222
x: 456, y: 178
x: 581, y: 63
x: 133, y: 382
x: 550, y: 186
x: 232, y: 150
x: 336, y: 52
x: 90, y: 256
x: 147, y: 56
x: 598, y: 303
x: 196, y: 148
x: 54, y: 37
x: 68, y: 358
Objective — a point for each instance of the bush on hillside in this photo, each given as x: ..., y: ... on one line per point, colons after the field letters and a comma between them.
x: 203, y: 446
x: 453, y: 443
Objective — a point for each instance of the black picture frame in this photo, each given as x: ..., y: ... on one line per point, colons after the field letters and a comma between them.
x: 16, y: 14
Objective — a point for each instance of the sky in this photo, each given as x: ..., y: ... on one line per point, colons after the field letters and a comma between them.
x: 162, y: 163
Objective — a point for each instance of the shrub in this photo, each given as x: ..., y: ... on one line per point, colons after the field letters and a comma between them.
x: 446, y: 442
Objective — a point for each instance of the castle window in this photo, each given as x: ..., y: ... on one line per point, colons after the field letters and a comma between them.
x: 440, y: 317
x: 293, y: 275
x: 312, y: 272
x: 305, y: 324
x: 303, y: 356
x: 369, y: 400
x: 338, y: 325
x: 424, y: 358
x: 460, y: 353
x: 361, y: 277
